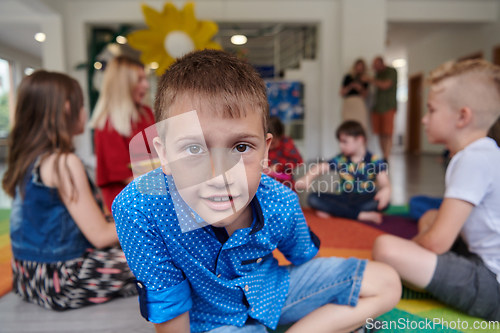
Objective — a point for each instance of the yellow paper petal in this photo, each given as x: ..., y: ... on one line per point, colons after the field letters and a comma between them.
x: 144, y: 39
x: 165, y: 65
x: 171, y: 16
x: 153, y: 55
x: 188, y: 23
x: 151, y: 41
x: 153, y: 19
x: 205, y: 31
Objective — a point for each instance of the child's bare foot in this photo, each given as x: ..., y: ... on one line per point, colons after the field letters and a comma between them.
x: 323, y: 215
x: 374, y: 217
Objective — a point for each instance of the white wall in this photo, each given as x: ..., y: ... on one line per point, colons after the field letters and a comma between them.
x: 364, y: 31
x: 325, y: 13
x: 309, y: 75
x: 430, y: 52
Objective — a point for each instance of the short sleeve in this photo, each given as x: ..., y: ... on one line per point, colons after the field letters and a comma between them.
x: 164, y: 292
x: 394, y: 76
x: 379, y: 165
x: 299, y: 243
x: 334, y: 162
x: 347, y: 80
x: 468, y: 178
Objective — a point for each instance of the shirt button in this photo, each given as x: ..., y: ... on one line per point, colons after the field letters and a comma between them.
x: 246, y: 287
x: 259, y: 260
x: 193, y: 216
x: 219, y: 275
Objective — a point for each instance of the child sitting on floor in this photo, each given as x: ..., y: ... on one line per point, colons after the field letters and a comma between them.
x: 463, y: 103
x: 199, y: 232
x: 283, y: 155
x: 60, y: 237
x: 365, y: 189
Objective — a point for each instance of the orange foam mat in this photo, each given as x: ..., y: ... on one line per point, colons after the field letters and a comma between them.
x: 5, y: 278
x: 342, y: 233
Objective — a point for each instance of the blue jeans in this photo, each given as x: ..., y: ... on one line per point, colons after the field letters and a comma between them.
x: 347, y: 205
x: 313, y: 284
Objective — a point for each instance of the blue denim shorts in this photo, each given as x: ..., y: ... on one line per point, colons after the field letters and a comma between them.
x: 313, y: 284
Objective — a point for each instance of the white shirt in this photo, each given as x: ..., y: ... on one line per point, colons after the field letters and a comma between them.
x: 474, y: 176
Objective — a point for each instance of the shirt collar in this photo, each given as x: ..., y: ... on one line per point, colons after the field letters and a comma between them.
x: 366, y: 159
x: 257, y: 222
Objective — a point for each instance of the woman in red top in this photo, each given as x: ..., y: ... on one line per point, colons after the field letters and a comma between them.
x: 118, y: 116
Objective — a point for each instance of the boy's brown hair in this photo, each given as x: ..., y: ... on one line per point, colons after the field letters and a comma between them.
x: 477, y: 86
x: 351, y: 128
x: 230, y: 86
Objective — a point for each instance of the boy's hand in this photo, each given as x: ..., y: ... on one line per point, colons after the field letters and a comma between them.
x: 442, y: 233
x: 383, y: 197
x: 426, y: 220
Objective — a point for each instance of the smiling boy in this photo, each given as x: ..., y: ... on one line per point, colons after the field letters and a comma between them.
x: 463, y: 103
x: 199, y: 232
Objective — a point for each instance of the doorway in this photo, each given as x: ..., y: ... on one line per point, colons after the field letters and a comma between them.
x: 414, y: 112
x: 496, y: 55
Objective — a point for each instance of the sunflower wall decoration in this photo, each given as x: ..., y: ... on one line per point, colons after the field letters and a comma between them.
x: 171, y: 34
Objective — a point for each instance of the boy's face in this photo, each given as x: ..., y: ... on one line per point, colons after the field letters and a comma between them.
x: 216, y: 162
x: 350, y: 145
x: 440, y: 118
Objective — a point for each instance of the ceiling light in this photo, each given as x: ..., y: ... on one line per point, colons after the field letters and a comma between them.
x: 97, y: 65
x: 28, y: 71
x: 238, y: 39
x: 121, y: 40
x: 40, y: 37
x: 399, y: 63
x: 154, y: 65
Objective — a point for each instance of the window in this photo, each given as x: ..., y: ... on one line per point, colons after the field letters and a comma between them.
x: 6, y: 97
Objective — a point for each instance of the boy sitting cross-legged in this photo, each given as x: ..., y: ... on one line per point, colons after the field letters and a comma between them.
x: 364, y: 190
x: 456, y: 255
x: 199, y: 232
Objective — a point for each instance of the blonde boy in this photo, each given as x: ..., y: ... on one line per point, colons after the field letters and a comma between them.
x: 463, y: 103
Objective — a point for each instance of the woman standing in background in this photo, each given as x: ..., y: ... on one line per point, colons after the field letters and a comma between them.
x: 354, y: 90
x: 118, y: 116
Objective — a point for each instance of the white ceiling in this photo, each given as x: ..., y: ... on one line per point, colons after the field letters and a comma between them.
x: 19, y: 31
x: 21, y: 36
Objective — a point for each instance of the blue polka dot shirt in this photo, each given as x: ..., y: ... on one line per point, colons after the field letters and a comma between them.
x: 220, y: 280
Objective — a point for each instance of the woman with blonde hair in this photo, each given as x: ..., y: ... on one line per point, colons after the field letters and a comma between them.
x: 354, y: 90
x: 118, y: 116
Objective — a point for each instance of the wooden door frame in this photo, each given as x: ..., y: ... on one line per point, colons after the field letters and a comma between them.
x: 496, y: 50
x: 409, y: 117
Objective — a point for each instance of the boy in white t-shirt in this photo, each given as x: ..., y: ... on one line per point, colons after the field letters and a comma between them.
x: 456, y: 255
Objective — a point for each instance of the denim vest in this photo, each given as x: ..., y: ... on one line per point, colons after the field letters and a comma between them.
x: 41, y: 228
